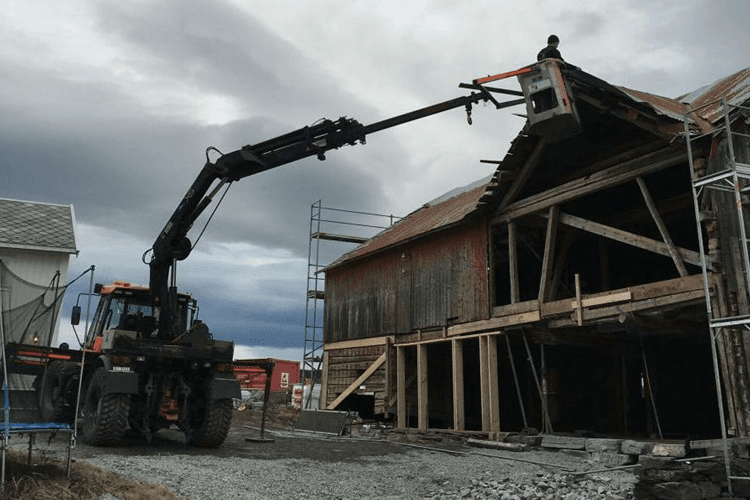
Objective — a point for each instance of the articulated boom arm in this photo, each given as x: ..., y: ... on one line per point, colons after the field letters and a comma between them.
x: 173, y: 245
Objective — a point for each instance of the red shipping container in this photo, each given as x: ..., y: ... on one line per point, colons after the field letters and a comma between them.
x: 285, y: 374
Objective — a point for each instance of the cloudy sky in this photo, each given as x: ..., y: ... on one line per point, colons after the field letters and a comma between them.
x: 110, y: 106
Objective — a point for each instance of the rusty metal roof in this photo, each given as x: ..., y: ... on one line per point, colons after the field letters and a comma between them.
x: 37, y: 226
x: 439, y: 214
x: 707, y: 100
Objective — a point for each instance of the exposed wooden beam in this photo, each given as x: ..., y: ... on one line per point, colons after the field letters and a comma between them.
x: 348, y: 344
x: 531, y: 163
x: 689, y: 256
x: 610, y: 177
x: 549, y: 253
x: 515, y: 290
x: 662, y: 227
x: 360, y: 380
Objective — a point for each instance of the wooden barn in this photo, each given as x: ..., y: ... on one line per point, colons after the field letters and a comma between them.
x: 568, y: 291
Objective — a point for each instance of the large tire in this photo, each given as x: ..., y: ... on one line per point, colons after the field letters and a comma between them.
x: 214, y: 426
x: 104, y: 417
x: 51, y: 391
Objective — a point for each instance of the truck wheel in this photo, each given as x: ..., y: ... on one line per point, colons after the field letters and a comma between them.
x: 104, y: 417
x: 51, y: 391
x: 214, y: 426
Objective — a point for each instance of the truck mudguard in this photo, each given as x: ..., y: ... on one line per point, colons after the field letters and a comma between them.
x: 224, y: 386
x: 121, y: 382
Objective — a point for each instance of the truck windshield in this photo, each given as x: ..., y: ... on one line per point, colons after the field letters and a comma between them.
x: 121, y: 307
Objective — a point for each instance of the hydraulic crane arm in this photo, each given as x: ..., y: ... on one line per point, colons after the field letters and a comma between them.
x: 172, y: 243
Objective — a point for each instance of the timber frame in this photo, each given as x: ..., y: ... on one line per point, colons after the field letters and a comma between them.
x: 594, y: 292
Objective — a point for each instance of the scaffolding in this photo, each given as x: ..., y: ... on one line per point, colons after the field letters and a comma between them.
x: 333, y: 231
x: 720, y: 197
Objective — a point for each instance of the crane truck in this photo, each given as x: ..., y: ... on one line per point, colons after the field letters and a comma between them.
x: 147, y: 361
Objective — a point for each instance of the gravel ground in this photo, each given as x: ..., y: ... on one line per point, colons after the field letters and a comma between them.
x: 416, y: 474
x: 300, y: 465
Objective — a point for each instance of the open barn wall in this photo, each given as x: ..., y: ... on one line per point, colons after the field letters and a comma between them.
x: 597, y: 310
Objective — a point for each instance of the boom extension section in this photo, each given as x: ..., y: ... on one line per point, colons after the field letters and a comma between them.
x: 315, y: 140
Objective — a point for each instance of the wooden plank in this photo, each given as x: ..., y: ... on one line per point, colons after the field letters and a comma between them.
x: 401, y: 387
x: 459, y: 413
x: 354, y: 385
x: 662, y: 227
x: 610, y: 177
x: 598, y: 301
x: 637, y: 292
x: 685, y: 298
x: 494, y: 323
x: 422, y: 388
x: 628, y: 238
x: 515, y: 291
x: 549, y: 253
x: 519, y: 307
x: 348, y: 344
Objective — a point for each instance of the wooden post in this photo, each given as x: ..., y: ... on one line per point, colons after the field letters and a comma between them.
x: 483, y: 379
x: 549, y: 253
x: 401, y: 387
x: 422, y: 387
x: 493, y: 388
x: 459, y: 415
x: 323, y: 401
x: 579, y: 303
x: 515, y: 292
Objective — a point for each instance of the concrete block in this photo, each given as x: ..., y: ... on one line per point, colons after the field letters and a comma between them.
x: 709, y: 490
x: 527, y: 440
x: 677, y: 491
x: 652, y: 462
x: 594, y: 445
x: 609, y: 459
x: 563, y: 442
x: 630, y: 447
x: 676, y: 450
x: 583, y: 455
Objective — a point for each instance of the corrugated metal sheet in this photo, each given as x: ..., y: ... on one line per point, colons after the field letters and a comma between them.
x: 37, y: 226
x: 734, y: 88
x: 665, y: 106
x: 442, y: 278
x: 429, y: 218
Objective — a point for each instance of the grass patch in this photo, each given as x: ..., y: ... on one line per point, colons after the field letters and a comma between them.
x: 46, y: 480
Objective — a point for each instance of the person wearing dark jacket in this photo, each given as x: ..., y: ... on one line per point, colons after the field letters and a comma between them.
x: 550, y: 51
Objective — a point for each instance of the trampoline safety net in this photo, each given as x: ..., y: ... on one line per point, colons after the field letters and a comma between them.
x: 29, y: 316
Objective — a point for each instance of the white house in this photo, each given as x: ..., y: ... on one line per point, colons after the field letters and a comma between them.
x: 36, y: 242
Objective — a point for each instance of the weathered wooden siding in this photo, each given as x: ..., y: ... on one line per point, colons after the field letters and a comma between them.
x: 345, y: 365
x: 437, y: 280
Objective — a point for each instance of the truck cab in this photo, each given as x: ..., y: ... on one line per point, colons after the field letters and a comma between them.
x: 125, y: 311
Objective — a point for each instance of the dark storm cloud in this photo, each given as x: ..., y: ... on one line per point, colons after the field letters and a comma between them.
x: 125, y: 165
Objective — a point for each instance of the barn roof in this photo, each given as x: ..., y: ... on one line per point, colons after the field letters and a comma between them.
x: 37, y: 226
x: 462, y: 203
